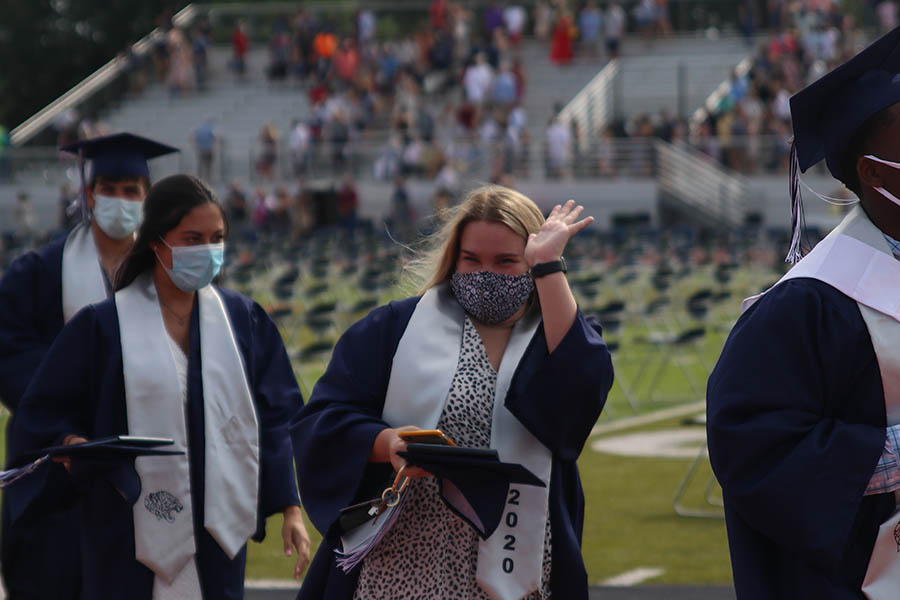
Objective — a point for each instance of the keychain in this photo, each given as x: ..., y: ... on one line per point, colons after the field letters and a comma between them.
x: 369, y: 511
x: 390, y: 497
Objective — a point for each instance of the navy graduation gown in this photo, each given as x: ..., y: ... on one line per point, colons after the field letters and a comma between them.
x: 558, y: 397
x: 80, y: 389
x: 31, y: 316
x: 796, y: 425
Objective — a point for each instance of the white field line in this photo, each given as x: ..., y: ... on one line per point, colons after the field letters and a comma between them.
x: 659, y: 415
x: 684, y: 442
x: 633, y: 577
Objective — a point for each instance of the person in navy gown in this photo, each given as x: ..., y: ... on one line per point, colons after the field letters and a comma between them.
x: 496, y: 263
x: 800, y: 430
x: 80, y: 392
x: 36, y: 300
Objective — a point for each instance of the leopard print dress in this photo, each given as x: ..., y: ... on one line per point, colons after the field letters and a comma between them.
x: 430, y: 553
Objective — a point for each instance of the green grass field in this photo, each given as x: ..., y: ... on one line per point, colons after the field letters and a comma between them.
x: 630, y: 521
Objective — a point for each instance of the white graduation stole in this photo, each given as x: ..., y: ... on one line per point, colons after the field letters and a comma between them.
x: 851, y: 260
x: 856, y: 260
x: 510, y: 562
x: 82, y: 272
x: 163, y: 516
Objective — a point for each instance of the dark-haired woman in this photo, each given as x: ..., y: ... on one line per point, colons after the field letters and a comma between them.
x: 171, y: 355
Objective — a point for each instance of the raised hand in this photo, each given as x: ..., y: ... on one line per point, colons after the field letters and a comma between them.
x: 548, y: 244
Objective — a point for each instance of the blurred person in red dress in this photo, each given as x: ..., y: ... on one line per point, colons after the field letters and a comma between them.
x: 240, y: 44
x: 562, y: 49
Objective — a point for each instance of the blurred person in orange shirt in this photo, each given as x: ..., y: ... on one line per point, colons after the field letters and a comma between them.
x: 325, y: 43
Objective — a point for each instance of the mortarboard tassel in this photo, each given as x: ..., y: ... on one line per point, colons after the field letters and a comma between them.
x: 795, y: 252
x: 10, y: 476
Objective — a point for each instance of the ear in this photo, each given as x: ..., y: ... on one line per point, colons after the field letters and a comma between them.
x: 869, y: 172
x: 89, y: 194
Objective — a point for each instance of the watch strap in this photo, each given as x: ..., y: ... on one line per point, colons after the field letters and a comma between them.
x: 546, y: 268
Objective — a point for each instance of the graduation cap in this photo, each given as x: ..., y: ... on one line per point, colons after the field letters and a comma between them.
x: 110, y: 457
x: 474, y: 483
x: 118, y: 155
x: 828, y: 113
x: 113, y: 448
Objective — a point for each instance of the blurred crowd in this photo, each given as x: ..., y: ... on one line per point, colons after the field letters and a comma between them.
x: 750, y: 128
x: 447, y: 100
x: 450, y: 99
x: 441, y: 103
x: 413, y: 106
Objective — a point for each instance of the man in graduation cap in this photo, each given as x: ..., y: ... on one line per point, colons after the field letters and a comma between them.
x: 39, y: 293
x: 804, y: 403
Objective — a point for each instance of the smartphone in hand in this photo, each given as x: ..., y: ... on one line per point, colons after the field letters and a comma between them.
x: 426, y: 436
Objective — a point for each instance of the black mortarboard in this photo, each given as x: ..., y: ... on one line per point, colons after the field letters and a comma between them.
x: 828, y: 113
x: 119, y: 155
x: 111, y: 458
x: 110, y: 448
x: 474, y: 483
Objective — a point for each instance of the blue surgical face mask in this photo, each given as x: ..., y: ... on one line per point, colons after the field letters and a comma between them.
x: 117, y: 217
x: 194, y: 267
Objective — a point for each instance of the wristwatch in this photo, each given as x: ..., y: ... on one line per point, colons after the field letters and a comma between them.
x: 554, y: 266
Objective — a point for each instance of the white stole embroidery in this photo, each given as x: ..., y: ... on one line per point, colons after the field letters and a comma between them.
x: 856, y: 260
x: 163, y: 516
x: 82, y: 274
x: 421, y: 374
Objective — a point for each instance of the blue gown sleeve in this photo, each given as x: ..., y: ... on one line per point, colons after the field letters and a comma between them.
x: 22, y: 307
x: 59, y: 400
x: 558, y: 397
x: 335, y: 431
x: 278, y: 400
x: 795, y: 423
x: 57, y: 403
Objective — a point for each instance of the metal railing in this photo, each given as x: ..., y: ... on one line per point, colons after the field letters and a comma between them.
x: 602, y: 157
x: 697, y: 182
x: 747, y: 154
x: 366, y: 160
x: 594, y: 106
x: 471, y: 159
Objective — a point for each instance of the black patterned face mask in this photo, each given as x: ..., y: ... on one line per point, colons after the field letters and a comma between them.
x: 489, y: 297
